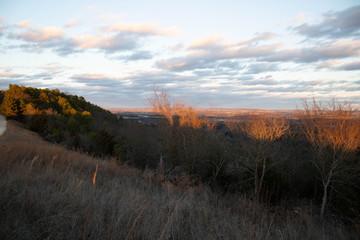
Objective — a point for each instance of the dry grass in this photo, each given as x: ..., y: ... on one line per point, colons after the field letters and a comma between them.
x: 45, y: 194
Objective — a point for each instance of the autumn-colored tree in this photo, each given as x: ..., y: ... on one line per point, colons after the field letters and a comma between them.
x: 334, y: 133
x: 14, y: 102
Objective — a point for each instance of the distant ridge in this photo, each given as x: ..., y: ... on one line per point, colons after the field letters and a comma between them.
x: 210, y: 111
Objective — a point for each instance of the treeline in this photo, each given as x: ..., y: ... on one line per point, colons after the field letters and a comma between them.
x: 270, y: 159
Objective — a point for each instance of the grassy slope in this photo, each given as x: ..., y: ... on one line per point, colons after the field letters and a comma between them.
x: 47, y: 192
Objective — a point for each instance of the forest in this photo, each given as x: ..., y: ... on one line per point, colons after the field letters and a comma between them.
x: 271, y: 160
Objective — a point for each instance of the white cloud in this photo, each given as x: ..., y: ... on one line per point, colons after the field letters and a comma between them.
x: 71, y: 23
x: 142, y: 28
x: 205, y: 42
x: 23, y: 24
x: 88, y: 8
x: 8, y: 74
x: 112, y: 42
x: 40, y: 34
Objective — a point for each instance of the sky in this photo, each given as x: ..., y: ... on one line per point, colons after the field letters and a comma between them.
x: 209, y: 53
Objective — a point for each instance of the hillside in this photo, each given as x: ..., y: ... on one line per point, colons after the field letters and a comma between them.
x: 51, y: 192
x: 62, y: 118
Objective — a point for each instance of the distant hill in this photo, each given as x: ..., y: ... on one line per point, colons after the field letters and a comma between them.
x: 221, y: 112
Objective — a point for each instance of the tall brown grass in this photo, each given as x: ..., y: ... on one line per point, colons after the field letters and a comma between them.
x: 49, y: 201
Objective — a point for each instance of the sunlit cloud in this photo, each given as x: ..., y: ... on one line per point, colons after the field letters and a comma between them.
x: 299, y: 19
x: 71, y: 23
x: 261, y: 37
x: 205, y: 42
x: 51, y: 67
x: 9, y: 74
x: 112, y: 42
x: 23, y: 24
x: 90, y: 7
x: 39, y: 34
x: 142, y: 28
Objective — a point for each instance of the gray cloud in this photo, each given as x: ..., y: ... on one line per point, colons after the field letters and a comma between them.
x: 140, y: 55
x: 37, y: 39
x: 78, y: 44
x: 351, y: 66
x: 267, y: 80
x: 2, y: 25
x: 324, y: 51
x: 207, y: 58
x: 98, y: 80
x: 340, y: 65
x: 256, y: 68
x: 139, y: 80
x: 245, y: 77
x: 47, y: 72
x: 334, y: 25
x: 210, y: 55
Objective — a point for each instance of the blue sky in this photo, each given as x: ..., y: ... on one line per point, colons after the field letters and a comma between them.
x: 229, y: 54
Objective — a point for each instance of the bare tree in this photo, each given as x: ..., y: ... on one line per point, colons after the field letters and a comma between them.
x: 184, y: 131
x: 263, y: 130
x: 186, y: 115
x: 163, y: 105
x: 334, y: 132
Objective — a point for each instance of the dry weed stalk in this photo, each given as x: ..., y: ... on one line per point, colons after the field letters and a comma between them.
x: 94, y: 178
x: 136, y: 219
x: 162, y: 235
x: 333, y: 130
